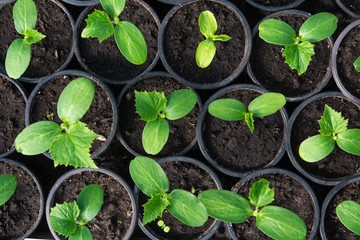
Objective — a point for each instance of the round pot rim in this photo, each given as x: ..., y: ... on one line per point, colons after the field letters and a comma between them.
x: 77, y: 36
x: 346, y: 9
x: 80, y: 3
x: 294, y: 176
x: 275, y: 8
x: 126, y: 88
x: 41, y: 194
x: 215, y: 225
x: 326, y: 77
x: 174, y: 2
x: 200, y: 125
x: 106, y: 89
x: 3, y: 2
x: 236, y: 72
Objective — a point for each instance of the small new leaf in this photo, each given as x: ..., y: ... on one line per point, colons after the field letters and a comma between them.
x: 63, y: 218
x: 250, y: 121
x: 298, y: 56
x: 332, y: 122
x: 98, y: 25
x: 33, y: 36
x: 260, y: 194
x: 154, y: 208
x: 149, y: 104
x: 8, y: 183
x: 222, y: 37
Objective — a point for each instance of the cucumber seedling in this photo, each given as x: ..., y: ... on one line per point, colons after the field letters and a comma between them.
x: 348, y: 213
x: 8, y: 184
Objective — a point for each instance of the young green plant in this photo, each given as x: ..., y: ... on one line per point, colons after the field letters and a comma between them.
x: 19, y: 52
x: 234, y: 110
x: 8, y: 184
x: 128, y: 37
x: 70, y: 219
x: 299, y: 49
x: 348, y: 213
x: 156, y: 109
x: 205, y: 52
x: 276, y: 222
x: 333, y: 129
x: 70, y: 142
x: 152, y: 181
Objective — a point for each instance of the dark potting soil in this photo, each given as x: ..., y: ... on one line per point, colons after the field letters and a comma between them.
x: 19, y: 214
x: 338, y: 164
x: 233, y: 146
x: 269, y: 67
x: 275, y: 3
x: 353, y: 5
x: 182, y: 131
x: 12, y: 117
x: 99, y: 117
x: 289, y: 193
x: 182, y: 37
x: 49, y: 54
x: 182, y: 175
x: 114, y: 219
x: 106, y: 60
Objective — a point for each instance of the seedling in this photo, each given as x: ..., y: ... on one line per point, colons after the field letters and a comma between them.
x: 276, y: 222
x: 156, y: 109
x: 333, y: 129
x: 19, y: 52
x: 69, y: 143
x: 161, y: 224
x: 8, y: 184
x: 70, y: 219
x: 205, y: 52
x: 233, y: 110
x: 299, y: 50
x: 128, y: 37
x: 152, y: 181
x: 348, y: 213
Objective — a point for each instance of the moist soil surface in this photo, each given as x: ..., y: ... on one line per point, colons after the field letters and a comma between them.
x: 275, y: 3
x: 48, y: 55
x: 353, y: 5
x: 19, y: 214
x: 99, y: 117
x: 338, y: 164
x: 269, y: 67
x: 12, y: 117
x: 289, y: 193
x: 106, y: 60
x: 182, y: 175
x: 233, y: 146
x: 182, y: 37
x: 114, y: 219
x: 182, y: 131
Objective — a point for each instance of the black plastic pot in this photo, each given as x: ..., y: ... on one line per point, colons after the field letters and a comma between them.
x: 299, y: 97
x: 213, y: 228
x: 41, y: 196
x: 3, y: 2
x: 346, y: 9
x: 62, y: 180
x: 82, y: 3
x: 272, y: 8
x: 291, y: 175
x: 175, y: 2
x: 201, y: 125
x: 220, y: 82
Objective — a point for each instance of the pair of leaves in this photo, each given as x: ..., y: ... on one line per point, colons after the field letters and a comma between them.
x: 299, y: 50
x: 234, y: 110
x: 152, y: 181
x: 128, y: 37
x: 333, y: 129
x: 348, y: 213
x: 8, y: 184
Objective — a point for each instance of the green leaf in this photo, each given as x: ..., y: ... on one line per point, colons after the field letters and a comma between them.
x: 227, y: 109
x: 316, y: 148
x: 131, y: 42
x: 63, y: 218
x: 8, y: 185
x: 155, y: 135
x: 349, y: 141
x: 298, y: 56
x: 75, y: 100
x: 81, y: 233
x: 25, y: 15
x: 332, y: 122
x: 17, y: 58
x: 260, y: 194
x: 154, y: 208
x: 33, y: 36
x: 276, y: 32
x: 149, y: 104
x: 223, y: 38
x: 148, y: 176
x: 266, y: 104
x: 205, y: 53
x: 113, y: 7
x: 250, y: 121
x: 187, y: 208
x: 90, y: 201
x: 281, y: 224
x: 318, y: 27
x: 72, y: 147
x: 207, y: 24
x: 357, y: 64
x: 179, y: 103
x: 98, y: 25
x: 37, y: 137
x: 348, y: 213
x: 226, y: 206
